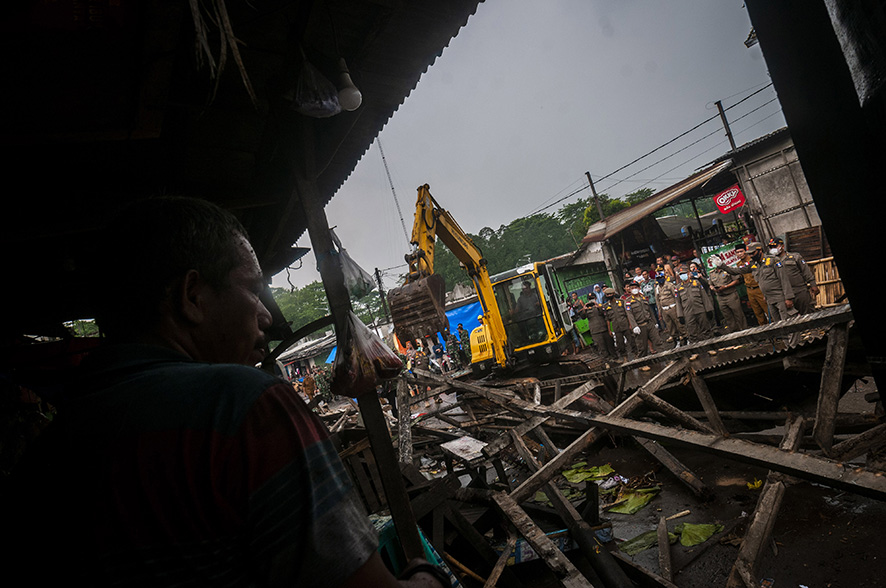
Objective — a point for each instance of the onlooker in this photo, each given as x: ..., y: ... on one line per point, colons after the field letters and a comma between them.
x: 725, y: 286
x: 756, y: 300
x: 175, y: 460
x: 802, y: 278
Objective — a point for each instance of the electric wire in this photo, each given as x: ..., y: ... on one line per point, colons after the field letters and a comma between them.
x: 660, y: 147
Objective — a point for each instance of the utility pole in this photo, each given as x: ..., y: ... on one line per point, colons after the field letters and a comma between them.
x: 608, y: 257
x: 594, y: 193
x: 725, y: 124
x: 381, y: 294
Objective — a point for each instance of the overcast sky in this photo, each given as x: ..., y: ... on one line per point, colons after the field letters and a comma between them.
x: 531, y: 94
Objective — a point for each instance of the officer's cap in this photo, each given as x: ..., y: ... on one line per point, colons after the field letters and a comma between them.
x: 608, y: 291
x: 754, y: 246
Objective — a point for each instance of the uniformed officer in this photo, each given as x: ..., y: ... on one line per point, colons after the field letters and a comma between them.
x: 691, y: 304
x: 725, y: 287
x: 665, y: 294
x: 623, y: 324
x: 598, y: 326
x: 756, y: 300
x: 799, y: 274
x: 638, y: 305
x: 452, y: 350
x: 773, y: 281
x: 464, y: 344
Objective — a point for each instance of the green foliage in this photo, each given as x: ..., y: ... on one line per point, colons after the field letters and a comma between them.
x: 302, y: 305
x: 638, y: 196
x: 609, y: 205
x: 532, y: 238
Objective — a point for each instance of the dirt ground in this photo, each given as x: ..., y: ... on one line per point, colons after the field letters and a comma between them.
x: 823, y: 538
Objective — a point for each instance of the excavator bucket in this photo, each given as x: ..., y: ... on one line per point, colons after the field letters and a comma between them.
x: 419, y: 308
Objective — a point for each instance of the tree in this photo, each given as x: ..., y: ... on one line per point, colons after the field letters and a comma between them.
x: 609, y: 205
x: 300, y: 306
x: 638, y: 196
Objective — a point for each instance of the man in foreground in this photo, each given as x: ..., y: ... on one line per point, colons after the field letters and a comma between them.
x: 176, y: 462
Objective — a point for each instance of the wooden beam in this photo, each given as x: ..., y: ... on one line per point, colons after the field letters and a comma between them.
x: 831, y: 383
x: 565, y: 457
x: 558, y: 563
x: 707, y: 403
x: 808, y: 467
x: 763, y: 520
x: 497, y: 445
x: 683, y: 473
x: 404, y: 428
x: 871, y: 440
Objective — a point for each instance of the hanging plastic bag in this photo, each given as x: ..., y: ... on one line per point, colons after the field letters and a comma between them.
x: 315, y: 96
x: 357, y: 280
x: 362, y: 360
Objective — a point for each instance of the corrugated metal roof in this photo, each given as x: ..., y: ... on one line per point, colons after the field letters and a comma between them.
x: 621, y: 220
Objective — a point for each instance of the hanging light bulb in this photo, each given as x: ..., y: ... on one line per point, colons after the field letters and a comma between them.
x: 349, y: 97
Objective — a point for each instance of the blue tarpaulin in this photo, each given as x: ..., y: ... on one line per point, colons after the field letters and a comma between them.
x: 466, y: 315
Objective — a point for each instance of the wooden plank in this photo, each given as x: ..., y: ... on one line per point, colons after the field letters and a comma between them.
x: 871, y: 440
x: 763, y: 519
x: 664, y: 551
x: 831, y: 383
x: 500, y: 443
x: 707, y: 403
x: 558, y: 563
x: 675, y: 413
x: 565, y: 457
x: 808, y: 467
x: 600, y: 559
x: 362, y: 481
x: 492, y: 580
x: 404, y: 428
x: 683, y: 473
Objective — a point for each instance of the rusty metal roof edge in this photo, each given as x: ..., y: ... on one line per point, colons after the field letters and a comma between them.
x: 614, y: 224
x: 428, y: 66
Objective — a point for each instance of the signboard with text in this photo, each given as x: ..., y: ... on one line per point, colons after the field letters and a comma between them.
x: 729, y: 199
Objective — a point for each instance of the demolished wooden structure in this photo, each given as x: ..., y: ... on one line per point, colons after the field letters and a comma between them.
x: 511, y: 425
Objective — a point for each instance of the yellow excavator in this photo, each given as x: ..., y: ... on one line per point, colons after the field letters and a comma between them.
x: 524, y: 319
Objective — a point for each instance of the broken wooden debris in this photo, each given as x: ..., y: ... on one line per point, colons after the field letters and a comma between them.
x: 829, y: 393
x: 763, y: 518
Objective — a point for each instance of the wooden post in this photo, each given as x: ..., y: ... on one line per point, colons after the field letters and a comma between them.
x: 404, y: 427
x: 829, y: 394
x: 763, y: 519
x: 337, y: 294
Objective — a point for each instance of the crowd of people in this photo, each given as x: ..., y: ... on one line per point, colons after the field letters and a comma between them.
x: 677, y: 301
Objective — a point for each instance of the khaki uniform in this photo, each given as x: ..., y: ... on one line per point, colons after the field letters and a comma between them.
x: 598, y: 326
x: 623, y: 323
x: 667, y: 306
x: 638, y: 305
x: 690, y: 301
x: 801, y: 278
x: 773, y: 280
x: 730, y: 304
x: 756, y: 300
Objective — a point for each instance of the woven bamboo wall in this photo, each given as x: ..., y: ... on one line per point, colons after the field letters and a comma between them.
x: 827, y: 276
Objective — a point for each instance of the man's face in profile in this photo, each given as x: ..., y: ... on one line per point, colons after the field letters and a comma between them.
x: 235, y: 318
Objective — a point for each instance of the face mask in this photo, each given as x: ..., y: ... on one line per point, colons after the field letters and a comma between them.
x: 635, y: 291
x: 773, y: 251
x: 684, y: 277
